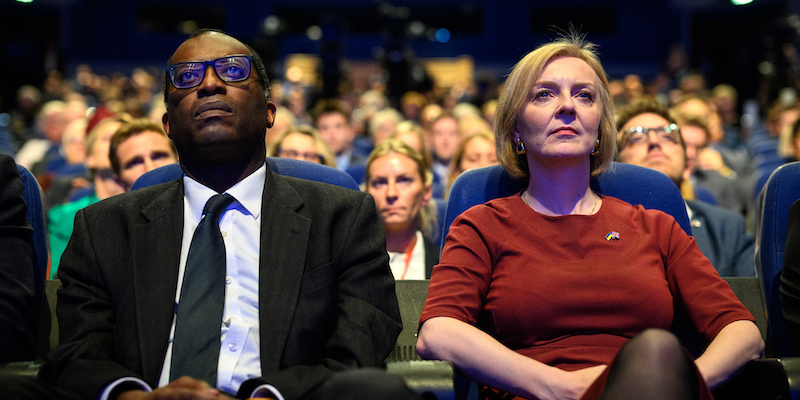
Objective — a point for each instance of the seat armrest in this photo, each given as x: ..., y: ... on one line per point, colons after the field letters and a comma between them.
x: 21, y: 368
x: 765, y: 378
x: 428, y: 379
x: 791, y: 365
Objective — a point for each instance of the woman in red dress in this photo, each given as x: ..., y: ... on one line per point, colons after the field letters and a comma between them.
x: 561, y: 293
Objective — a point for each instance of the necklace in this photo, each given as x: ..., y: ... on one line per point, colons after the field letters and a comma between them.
x: 529, y: 205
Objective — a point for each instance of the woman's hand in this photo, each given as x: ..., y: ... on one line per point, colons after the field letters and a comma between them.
x: 573, y: 384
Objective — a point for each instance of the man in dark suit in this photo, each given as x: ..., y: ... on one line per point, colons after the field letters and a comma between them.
x: 16, y: 268
x: 308, y: 294
x: 649, y: 137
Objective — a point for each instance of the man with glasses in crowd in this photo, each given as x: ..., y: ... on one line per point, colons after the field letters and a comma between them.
x: 649, y: 137
x: 304, y: 294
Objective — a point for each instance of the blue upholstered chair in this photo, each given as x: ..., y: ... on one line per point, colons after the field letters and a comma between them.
x: 283, y: 166
x: 636, y: 185
x: 32, y: 193
x: 780, y: 191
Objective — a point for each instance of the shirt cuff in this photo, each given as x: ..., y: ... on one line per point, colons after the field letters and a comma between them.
x: 265, y: 390
x: 125, y: 384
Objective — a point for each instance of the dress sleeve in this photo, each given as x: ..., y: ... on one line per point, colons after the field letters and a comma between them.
x: 460, y: 282
x: 699, y: 293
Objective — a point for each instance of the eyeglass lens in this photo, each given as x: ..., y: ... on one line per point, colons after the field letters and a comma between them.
x: 639, y: 135
x: 190, y: 74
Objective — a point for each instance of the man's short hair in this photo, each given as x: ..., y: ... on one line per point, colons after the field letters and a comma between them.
x: 695, y: 120
x: 645, y: 105
x: 130, y: 129
x: 327, y: 106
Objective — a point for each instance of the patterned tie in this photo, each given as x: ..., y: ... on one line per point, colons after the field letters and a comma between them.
x: 195, y: 347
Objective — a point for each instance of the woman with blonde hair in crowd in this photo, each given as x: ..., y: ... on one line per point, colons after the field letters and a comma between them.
x: 475, y: 150
x: 302, y: 143
x: 401, y: 185
x: 558, y: 292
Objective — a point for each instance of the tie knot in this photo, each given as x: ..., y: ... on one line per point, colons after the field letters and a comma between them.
x: 217, y: 204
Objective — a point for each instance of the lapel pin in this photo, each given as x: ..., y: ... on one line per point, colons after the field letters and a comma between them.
x: 612, y: 235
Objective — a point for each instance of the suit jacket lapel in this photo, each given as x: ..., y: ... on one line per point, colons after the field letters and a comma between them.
x: 156, y: 255
x: 284, y: 241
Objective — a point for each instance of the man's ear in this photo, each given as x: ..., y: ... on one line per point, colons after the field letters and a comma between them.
x: 165, y: 122
x: 271, y: 111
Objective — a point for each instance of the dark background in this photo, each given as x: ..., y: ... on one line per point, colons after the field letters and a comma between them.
x: 726, y: 43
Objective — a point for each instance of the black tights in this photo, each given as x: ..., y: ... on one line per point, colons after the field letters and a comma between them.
x: 654, y: 366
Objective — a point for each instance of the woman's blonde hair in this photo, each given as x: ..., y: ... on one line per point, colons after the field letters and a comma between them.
x: 516, y: 91
x: 325, y: 153
x: 428, y: 215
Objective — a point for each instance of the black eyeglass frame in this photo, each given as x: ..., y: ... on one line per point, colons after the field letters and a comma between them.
x: 171, y: 70
x: 673, y: 131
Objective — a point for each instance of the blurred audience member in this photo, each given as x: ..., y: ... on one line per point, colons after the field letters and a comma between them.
x: 412, y: 134
x: 445, y: 138
x: 61, y: 217
x: 411, y: 105
x: 401, y: 186
x: 488, y: 111
x: 50, y: 125
x: 475, y: 150
x: 383, y: 123
x: 137, y: 147
x: 302, y: 143
x: 333, y: 123
x: 649, y: 137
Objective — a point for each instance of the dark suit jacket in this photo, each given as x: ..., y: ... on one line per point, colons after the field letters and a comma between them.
x: 790, y: 275
x: 326, y: 292
x: 722, y: 237
x: 431, y: 256
x: 16, y: 268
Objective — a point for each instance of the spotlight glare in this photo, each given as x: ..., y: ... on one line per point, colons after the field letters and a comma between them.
x: 442, y: 35
x: 741, y: 2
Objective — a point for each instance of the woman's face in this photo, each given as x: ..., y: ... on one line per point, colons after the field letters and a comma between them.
x: 398, y: 190
x: 299, y: 147
x: 561, y: 118
x: 478, y: 152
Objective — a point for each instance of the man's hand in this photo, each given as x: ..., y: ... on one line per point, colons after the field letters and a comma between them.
x: 184, y: 388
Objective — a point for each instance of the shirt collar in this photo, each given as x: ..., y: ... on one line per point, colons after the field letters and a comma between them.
x: 247, y: 192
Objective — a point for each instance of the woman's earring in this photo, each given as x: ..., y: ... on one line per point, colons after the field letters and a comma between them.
x: 594, y: 150
x: 520, y: 147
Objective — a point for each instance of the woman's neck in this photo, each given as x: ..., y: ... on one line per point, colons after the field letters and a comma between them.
x: 560, y: 190
x: 401, y: 241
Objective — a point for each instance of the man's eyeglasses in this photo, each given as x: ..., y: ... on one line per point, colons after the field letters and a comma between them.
x: 636, y: 135
x: 187, y: 75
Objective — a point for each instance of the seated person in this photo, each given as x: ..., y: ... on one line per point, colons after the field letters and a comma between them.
x: 333, y: 122
x: 475, y: 151
x: 445, y: 137
x: 414, y: 136
x: 559, y: 292
x: 649, y: 137
x: 17, y: 325
x: 61, y: 217
x: 301, y: 143
x: 137, y: 147
x: 790, y: 276
x: 232, y: 279
x: 401, y: 185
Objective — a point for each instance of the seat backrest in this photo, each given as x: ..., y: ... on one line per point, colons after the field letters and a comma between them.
x: 283, y: 166
x: 32, y: 193
x: 633, y: 184
x: 411, y: 296
x: 781, y: 190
